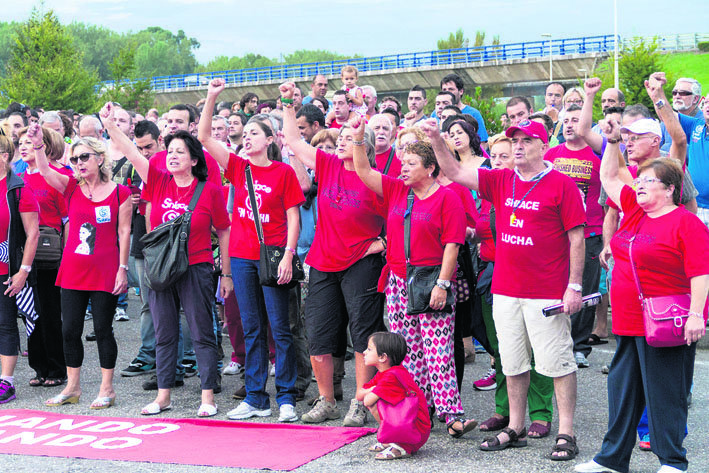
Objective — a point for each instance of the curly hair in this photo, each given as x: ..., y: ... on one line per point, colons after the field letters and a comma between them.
x: 104, y: 167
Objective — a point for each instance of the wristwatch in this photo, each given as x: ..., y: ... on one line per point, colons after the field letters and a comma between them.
x: 443, y: 284
x: 659, y: 104
x: 575, y: 287
x: 27, y: 268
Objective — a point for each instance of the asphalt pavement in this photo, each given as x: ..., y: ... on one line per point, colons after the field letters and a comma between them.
x: 441, y: 453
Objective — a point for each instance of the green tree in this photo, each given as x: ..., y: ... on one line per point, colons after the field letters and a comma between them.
x: 315, y: 55
x: 136, y: 95
x: 7, y: 32
x: 486, y: 107
x: 225, y: 63
x: 162, y: 53
x: 45, y: 69
x: 479, y: 38
x: 454, y: 41
x: 99, y: 46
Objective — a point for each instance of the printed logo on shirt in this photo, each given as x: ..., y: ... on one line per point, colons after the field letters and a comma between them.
x: 248, y: 211
x: 87, y: 239
x: 103, y: 214
x: 174, y: 209
x: 581, y: 171
x: 340, y: 197
x: 697, y: 133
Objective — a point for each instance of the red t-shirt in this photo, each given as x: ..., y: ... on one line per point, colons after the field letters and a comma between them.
x: 466, y: 197
x: 532, y: 256
x: 168, y: 201
x: 52, y: 207
x: 63, y: 170
x: 350, y: 216
x: 484, y: 231
x: 668, y: 251
x: 435, y: 221
x: 335, y: 125
x: 276, y: 188
x: 633, y: 170
x: 394, y: 168
x: 28, y: 203
x: 90, y: 258
x: 214, y: 175
x: 388, y: 387
x: 583, y: 166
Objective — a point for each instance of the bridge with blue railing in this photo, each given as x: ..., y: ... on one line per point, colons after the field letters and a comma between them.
x: 482, y: 65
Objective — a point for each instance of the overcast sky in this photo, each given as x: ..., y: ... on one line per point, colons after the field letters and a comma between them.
x: 371, y: 27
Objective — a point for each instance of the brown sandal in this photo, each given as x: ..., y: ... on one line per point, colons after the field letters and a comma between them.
x: 570, y: 448
x: 517, y: 440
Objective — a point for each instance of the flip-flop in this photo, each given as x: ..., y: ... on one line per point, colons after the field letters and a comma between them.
x: 61, y: 399
x: 594, y: 339
x: 154, y: 408
x: 392, y: 452
x: 102, y: 403
x: 538, y: 431
x: 468, y: 425
x: 37, y: 381
x: 207, y: 410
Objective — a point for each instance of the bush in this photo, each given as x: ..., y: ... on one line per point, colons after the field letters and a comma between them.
x: 704, y: 46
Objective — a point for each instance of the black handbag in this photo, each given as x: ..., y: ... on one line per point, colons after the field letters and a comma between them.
x: 420, y: 280
x: 49, y: 248
x: 270, y: 255
x: 165, y: 250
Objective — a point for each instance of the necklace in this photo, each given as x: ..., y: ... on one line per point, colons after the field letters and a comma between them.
x: 88, y: 188
x: 513, y: 218
x: 428, y: 190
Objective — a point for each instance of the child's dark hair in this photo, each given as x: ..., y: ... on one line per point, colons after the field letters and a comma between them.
x: 391, y: 344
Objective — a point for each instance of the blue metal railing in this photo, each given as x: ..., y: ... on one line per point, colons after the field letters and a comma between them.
x: 447, y: 57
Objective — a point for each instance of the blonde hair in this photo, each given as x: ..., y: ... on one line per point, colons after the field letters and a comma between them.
x: 329, y: 134
x: 53, y: 142
x: 104, y: 168
x: 350, y: 69
x: 499, y: 138
x: 412, y: 130
x: 7, y: 146
x: 573, y: 90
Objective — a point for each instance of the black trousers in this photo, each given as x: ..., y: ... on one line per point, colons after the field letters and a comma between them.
x: 45, y: 346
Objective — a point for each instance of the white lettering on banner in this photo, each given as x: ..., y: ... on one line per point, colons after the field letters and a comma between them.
x: 517, y: 223
x: 125, y: 442
x: 520, y: 204
x: 113, y: 426
x: 66, y: 424
x: 160, y: 429
x: 27, y: 423
x: 517, y: 240
x: 27, y: 438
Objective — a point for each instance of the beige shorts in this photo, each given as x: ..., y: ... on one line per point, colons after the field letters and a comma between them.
x: 522, y: 330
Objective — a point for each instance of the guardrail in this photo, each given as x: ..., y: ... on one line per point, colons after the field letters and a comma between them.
x: 447, y: 57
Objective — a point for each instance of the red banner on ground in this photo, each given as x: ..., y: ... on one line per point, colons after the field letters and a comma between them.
x: 164, y: 440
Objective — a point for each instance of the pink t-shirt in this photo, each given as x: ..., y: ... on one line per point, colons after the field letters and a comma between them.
x: 28, y: 203
x: 394, y: 168
x: 52, y: 207
x: 668, y: 251
x: 90, y: 258
x: 276, y: 188
x: 532, y: 254
x: 350, y: 216
x: 436, y: 221
x: 583, y: 166
x: 168, y: 201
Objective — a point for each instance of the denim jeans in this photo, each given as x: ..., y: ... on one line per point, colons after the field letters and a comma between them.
x: 252, y: 297
x: 146, y: 354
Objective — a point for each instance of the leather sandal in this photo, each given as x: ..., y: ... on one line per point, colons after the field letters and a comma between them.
x: 517, y: 440
x: 495, y: 423
x: 392, y: 452
x: 569, y: 447
x: 37, y: 381
x: 468, y: 425
x: 537, y: 430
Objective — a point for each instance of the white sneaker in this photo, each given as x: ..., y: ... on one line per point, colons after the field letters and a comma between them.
x: 593, y: 467
x: 121, y: 315
x: 287, y: 413
x: 245, y: 411
x: 233, y: 368
x: 272, y: 372
x: 670, y: 469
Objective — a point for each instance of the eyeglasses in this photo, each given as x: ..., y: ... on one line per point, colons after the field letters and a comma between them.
x: 574, y: 102
x: 645, y: 181
x: 634, y: 138
x: 683, y: 93
x: 83, y: 157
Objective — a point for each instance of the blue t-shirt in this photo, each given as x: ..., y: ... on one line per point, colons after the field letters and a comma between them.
x: 697, y: 155
x: 667, y: 139
x: 307, y: 99
x: 482, y: 131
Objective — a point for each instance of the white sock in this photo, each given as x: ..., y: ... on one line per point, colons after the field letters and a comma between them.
x: 9, y: 379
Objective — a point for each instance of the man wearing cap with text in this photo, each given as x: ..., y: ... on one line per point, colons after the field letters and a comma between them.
x: 540, y: 238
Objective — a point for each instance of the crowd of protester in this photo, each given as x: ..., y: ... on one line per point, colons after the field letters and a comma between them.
x: 553, y: 208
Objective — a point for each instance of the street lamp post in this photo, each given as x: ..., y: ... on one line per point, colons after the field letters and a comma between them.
x: 548, y: 35
x: 616, y: 41
x: 585, y: 73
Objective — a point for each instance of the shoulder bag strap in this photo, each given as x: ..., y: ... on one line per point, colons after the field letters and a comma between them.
x: 254, y: 206
x: 389, y: 160
x: 407, y: 225
x: 632, y: 263
x: 195, y: 196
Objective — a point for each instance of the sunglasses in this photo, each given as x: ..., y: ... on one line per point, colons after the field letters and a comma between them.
x: 83, y: 157
x: 683, y: 93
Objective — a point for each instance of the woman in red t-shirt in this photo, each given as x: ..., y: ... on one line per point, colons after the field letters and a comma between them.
x: 45, y: 347
x: 168, y: 192
x: 345, y: 262
x: 661, y: 247
x: 94, y: 262
x: 278, y: 197
x: 19, y: 232
x: 438, y: 224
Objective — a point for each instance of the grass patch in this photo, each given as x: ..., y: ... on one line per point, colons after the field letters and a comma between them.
x: 694, y: 65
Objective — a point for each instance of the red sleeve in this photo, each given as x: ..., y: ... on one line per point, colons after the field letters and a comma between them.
x: 214, y: 174
x: 70, y: 188
x: 292, y: 193
x: 488, y: 183
x: 391, y: 188
x: 235, y: 169
x: 28, y: 202
x: 471, y: 210
x: 694, y: 244
x: 220, y: 217
x: 123, y: 193
x: 573, y: 213
x: 389, y: 388
x: 453, y: 220
x: 628, y: 199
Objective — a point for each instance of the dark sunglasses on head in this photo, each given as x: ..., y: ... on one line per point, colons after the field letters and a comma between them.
x: 83, y: 157
x: 683, y: 93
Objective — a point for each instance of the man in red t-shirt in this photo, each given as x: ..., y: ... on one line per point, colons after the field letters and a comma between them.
x: 383, y: 131
x: 540, y: 219
x: 577, y: 160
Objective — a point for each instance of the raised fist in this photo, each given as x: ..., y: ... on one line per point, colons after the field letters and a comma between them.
x: 592, y: 85
x: 34, y: 133
x: 287, y: 89
x: 107, y: 111
x: 357, y: 123
x: 430, y: 128
x: 611, y: 128
x: 654, y: 85
x: 215, y: 87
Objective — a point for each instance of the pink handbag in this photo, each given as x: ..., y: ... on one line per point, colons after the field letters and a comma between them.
x: 398, y: 420
x: 664, y: 316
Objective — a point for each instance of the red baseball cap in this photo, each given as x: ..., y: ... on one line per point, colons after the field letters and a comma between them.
x: 529, y: 128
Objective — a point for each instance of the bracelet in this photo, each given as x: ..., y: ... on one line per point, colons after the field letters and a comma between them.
x: 614, y: 141
x: 38, y: 147
x: 285, y: 101
x: 225, y: 275
x: 358, y: 143
x: 123, y: 266
x: 288, y: 248
x: 696, y: 314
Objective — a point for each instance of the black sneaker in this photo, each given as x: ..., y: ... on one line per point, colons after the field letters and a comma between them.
x: 190, y: 371
x: 7, y: 391
x: 91, y: 336
x: 152, y: 383
x: 138, y: 367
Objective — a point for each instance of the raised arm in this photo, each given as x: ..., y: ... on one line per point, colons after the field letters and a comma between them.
x: 55, y: 179
x: 302, y: 150
x: 370, y: 177
x: 123, y: 143
x: 204, y: 131
x: 654, y: 89
x: 592, y: 139
x: 610, y: 177
x: 450, y: 166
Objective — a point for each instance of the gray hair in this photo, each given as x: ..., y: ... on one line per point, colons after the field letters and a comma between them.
x: 216, y: 118
x: 94, y: 121
x: 696, y: 86
x: 50, y: 117
x: 371, y: 89
x: 265, y: 117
